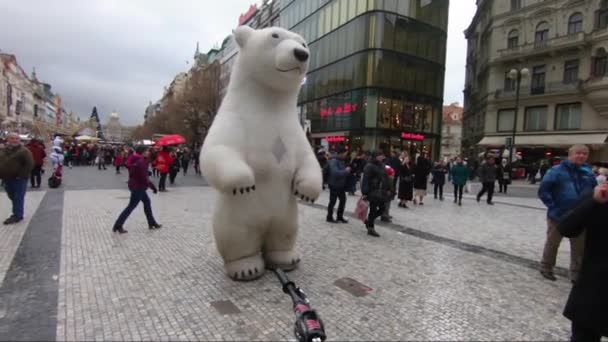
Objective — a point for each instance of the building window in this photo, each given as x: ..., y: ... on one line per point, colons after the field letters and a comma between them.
x: 538, y: 80
x: 515, y: 5
x: 536, y: 118
x: 601, y: 16
x: 542, y: 34
x: 575, y: 23
x: 600, y: 61
x: 506, y: 120
x: 571, y: 71
x: 568, y: 116
x: 513, y: 39
x: 509, y: 83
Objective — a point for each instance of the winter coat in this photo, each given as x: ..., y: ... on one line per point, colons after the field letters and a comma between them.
x: 563, y: 186
x: 163, y: 161
x: 118, y: 160
x: 38, y: 153
x: 15, y: 162
x: 487, y: 173
x: 439, y: 173
x: 588, y: 301
x: 406, y: 183
x: 421, y: 173
x: 138, y: 174
x: 459, y: 174
x: 337, y: 174
x: 376, y: 184
x: 504, y: 174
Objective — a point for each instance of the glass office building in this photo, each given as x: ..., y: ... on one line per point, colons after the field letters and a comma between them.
x: 376, y: 73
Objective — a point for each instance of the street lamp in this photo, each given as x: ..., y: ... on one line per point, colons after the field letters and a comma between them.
x: 516, y: 74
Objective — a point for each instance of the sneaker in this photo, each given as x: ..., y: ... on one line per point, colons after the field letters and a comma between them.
x: 490, y: 203
x: 342, y: 220
x: 548, y: 275
x: 386, y: 219
x: 155, y: 226
x: 372, y: 232
x: 331, y: 220
x: 12, y: 220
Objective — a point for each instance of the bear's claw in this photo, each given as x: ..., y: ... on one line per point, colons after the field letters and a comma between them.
x: 248, y: 189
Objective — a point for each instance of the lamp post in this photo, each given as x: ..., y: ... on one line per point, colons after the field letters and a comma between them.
x: 516, y: 74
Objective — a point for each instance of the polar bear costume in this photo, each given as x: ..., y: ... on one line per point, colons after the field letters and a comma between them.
x: 257, y: 156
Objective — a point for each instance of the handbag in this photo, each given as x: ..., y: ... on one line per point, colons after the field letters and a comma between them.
x: 362, y: 209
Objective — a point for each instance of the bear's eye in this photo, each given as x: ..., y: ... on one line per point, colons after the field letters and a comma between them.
x: 275, y: 35
x: 304, y: 44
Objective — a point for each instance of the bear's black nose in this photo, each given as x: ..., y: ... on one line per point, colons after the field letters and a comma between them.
x: 301, y: 55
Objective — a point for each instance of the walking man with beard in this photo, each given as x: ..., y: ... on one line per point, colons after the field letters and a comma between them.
x: 16, y: 165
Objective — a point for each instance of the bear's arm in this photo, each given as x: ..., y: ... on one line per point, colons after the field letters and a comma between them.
x: 308, y: 177
x: 225, y: 169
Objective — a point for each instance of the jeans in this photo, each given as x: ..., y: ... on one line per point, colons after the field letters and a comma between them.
x: 172, y: 175
x: 502, y: 187
x: 136, y: 197
x: 36, y: 176
x: 15, y: 189
x: 161, y: 183
x: 185, y: 165
x: 438, y: 188
x: 489, y: 188
x: 375, y: 210
x: 334, y: 195
x: 458, y: 192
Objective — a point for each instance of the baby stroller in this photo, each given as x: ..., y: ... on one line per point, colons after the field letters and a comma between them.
x: 55, y: 179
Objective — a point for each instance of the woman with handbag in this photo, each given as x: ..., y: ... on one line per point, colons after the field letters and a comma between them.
x: 406, y: 181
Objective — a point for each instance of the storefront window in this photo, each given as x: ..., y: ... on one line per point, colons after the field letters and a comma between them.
x: 384, y: 108
x: 397, y: 114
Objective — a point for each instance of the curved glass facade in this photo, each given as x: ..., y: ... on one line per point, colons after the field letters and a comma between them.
x: 376, y: 72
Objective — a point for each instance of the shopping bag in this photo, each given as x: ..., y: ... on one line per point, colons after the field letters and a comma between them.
x: 467, y: 188
x: 361, y: 210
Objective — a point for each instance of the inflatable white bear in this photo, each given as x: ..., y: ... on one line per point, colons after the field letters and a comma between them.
x: 257, y: 156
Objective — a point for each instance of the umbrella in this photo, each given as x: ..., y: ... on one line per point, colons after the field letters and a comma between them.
x: 174, y: 139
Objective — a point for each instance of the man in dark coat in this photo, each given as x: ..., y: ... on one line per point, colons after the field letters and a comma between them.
x: 336, y: 181
x: 588, y: 300
x: 376, y: 188
x: 16, y: 164
x: 487, y: 177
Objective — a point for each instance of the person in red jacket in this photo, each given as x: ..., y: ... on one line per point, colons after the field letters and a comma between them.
x: 163, y: 162
x: 39, y: 154
x: 138, y: 184
x: 118, y: 161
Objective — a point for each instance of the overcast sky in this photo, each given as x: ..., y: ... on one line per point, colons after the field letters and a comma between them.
x: 119, y: 54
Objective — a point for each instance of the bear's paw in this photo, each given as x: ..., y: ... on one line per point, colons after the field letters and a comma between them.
x: 307, y: 190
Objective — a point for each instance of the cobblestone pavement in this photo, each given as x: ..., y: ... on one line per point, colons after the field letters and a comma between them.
x: 160, y: 285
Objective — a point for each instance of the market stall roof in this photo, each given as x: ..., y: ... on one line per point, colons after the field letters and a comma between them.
x: 547, y: 140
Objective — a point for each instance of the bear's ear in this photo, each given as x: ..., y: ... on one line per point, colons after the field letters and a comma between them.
x: 242, y: 35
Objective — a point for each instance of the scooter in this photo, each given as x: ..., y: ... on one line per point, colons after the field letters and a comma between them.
x: 308, y: 326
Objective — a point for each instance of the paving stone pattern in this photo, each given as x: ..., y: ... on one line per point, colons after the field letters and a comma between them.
x: 160, y: 285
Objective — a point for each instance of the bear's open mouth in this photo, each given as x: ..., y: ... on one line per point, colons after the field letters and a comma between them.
x: 292, y: 69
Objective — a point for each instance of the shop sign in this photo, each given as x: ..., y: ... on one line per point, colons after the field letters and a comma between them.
x: 247, y: 15
x: 335, y: 139
x: 412, y: 136
x: 347, y: 108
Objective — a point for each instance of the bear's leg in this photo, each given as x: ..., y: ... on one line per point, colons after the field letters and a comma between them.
x: 239, y: 244
x: 248, y: 268
x: 279, y: 245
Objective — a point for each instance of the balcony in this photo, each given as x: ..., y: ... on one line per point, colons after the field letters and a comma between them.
x: 551, y: 88
x: 596, y: 92
x: 599, y: 34
x: 545, y: 47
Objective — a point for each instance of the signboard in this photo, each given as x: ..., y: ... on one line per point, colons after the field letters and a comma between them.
x: 412, y: 136
x: 247, y: 15
x: 345, y: 109
x: 335, y: 139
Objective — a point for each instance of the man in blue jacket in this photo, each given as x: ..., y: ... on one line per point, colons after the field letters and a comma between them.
x: 559, y: 190
x: 337, y: 185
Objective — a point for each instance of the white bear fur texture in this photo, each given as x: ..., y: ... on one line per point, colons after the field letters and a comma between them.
x: 257, y: 156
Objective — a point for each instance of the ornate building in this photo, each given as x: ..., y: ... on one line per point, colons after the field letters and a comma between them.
x: 113, y: 130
